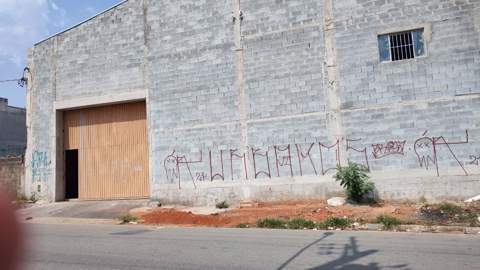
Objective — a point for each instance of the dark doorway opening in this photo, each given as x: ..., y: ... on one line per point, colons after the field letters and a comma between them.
x: 71, y: 174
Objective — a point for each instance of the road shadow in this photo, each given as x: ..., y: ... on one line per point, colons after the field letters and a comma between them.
x: 287, y: 262
x: 347, y: 260
x: 351, y: 254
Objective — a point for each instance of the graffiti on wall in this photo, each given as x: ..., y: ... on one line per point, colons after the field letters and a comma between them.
x: 303, y: 159
x: 426, y: 149
x: 40, y: 166
x: 474, y: 160
x: 391, y: 147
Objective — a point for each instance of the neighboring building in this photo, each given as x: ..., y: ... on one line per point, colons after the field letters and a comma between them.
x: 13, y: 130
x: 12, y: 178
x: 201, y: 101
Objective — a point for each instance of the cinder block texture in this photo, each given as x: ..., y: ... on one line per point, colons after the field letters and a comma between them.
x: 102, y: 56
x: 263, y: 99
x: 13, y: 131
x: 12, y: 176
x: 449, y: 68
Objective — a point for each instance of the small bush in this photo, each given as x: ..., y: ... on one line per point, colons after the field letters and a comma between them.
x: 355, y: 181
x: 388, y: 222
x: 300, y: 224
x: 128, y: 218
x: 243, y: 226
x: 335, y: 222
x: 423, y: 200
x: 271, y: 223
x: 222, y: 205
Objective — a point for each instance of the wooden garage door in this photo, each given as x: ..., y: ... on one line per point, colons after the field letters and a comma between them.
x: 112, y: 150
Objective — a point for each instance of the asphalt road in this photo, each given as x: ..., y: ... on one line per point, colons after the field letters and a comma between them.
x: 136, y: 247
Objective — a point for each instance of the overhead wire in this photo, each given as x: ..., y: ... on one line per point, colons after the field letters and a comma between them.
x: 13, y: 80
x: 22, y: 81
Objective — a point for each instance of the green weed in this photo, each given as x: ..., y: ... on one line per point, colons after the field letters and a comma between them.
x: 128, y: 218
x: 355, y: 181
x: 388, y: 222
x: 300, y: 224
x: 335, y: 222
x: 271, y: 223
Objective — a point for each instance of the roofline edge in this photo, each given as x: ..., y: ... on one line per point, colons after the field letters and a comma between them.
x: 80, y: 23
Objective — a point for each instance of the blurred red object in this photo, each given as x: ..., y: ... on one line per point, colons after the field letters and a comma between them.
x: 10, y: 235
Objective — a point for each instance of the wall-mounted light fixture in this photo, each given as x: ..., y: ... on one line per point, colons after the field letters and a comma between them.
x: 24, y: 80
x: 240, y: 15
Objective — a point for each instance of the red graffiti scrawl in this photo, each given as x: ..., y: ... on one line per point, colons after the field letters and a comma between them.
x: 426, y: 150
x: 388, y: 149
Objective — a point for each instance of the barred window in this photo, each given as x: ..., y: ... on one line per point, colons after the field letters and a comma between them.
x: 401, y: 45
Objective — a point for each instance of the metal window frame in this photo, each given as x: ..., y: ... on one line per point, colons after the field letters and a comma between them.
x: 402, y: 44
x: 426, y: 33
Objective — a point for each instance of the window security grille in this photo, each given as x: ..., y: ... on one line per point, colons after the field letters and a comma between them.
x: 401, y: 45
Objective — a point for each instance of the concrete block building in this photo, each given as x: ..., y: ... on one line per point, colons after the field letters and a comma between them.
x: 13, y: 130
x: 196, y: 102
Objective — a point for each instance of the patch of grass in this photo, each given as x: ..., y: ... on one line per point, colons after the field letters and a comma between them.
x: 128, y: 218
x: 222, y: 205
x: 449, y: 209
x: 449, y: 213
x: 388, y: 222
x: 442, y: 211
x: 300, y: 224
x: 335, y: 223
x: 243, y: 226
x: 272, y: 223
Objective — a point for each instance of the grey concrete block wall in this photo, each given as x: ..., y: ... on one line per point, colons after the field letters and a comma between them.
x: 39, y: 169
x: 284, y: 55
x: 12, y: 176
x: 13, y: 131
x: 405, y: 101
x: 450, y: 66
x: 262, y: 99
x: 102, y: 56
x: 193, y: 95
x: 450, y: 143
x: 191, y: 60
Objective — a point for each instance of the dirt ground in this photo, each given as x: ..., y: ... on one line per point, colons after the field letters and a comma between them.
x: 310, y: 210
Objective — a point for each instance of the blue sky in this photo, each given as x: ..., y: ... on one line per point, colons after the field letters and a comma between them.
x: 25, y: 22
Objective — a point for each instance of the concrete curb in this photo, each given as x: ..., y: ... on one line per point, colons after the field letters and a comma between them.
x: 422, y: 229
x: 70, y: 221
x: 363, y: 227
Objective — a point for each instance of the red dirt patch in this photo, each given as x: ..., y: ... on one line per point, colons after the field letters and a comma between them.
x: 175, y: 217
x: 310, y: 210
